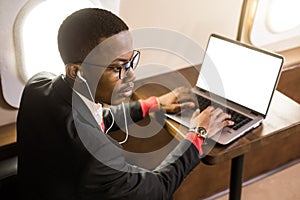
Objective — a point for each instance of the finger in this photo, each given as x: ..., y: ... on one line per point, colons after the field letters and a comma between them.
x: 218, y: 119
x: 186, y: 96
x: 228, y: 116
x: 175, y: 108
x: 216, y: 113
x: 187, y: 105
x: 209, y: 109
x: 222, y: 121
x: 196, y: 113
x: 228, y: 123
x: 223, y: 116
x: 218, y: 110
x: 217, y: 126
x: 172, y: 108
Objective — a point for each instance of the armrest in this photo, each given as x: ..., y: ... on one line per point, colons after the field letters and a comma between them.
x: 8, y: 178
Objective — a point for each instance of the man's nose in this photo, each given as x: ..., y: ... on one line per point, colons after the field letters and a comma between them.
x: 130, y: 75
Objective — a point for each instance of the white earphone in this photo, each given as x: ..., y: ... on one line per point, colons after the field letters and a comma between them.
x: 99, y: 110
x: 85, y: 82
x: 80, y: 77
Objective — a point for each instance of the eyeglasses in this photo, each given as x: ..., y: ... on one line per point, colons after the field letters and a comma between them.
x: 124, y: 68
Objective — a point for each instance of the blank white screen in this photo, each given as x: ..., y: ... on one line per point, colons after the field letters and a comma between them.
x: 248, y: 76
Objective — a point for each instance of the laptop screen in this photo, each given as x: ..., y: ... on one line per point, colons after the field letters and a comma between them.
x: 240, y: 73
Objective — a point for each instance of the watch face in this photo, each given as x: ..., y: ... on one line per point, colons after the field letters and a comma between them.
x: 202, y: 131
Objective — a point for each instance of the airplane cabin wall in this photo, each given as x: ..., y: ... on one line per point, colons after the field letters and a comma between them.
x: 195, y: 19
x: 8, y: 12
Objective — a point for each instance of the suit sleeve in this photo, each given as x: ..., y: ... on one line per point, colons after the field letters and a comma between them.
x: 134, y: 111
x: 108, y: 176
x: 124, y: 181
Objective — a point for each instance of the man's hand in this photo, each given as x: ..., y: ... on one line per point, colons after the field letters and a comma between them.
x: 170, y: 102
x: 213, y: 120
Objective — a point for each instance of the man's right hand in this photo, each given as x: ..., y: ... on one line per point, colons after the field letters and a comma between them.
x: 213, y: 120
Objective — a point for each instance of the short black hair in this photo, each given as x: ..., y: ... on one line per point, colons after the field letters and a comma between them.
x: 83, y: 30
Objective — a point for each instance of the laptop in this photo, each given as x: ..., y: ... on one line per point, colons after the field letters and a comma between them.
x: 238, y: 78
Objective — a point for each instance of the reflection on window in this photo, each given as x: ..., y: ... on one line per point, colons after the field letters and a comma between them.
x: 38, y: 36
x: 283, y: 15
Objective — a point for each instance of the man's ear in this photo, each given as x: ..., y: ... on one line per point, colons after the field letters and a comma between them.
x: 71, y: 70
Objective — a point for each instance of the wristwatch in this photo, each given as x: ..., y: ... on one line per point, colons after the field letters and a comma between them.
x: 201, y: 131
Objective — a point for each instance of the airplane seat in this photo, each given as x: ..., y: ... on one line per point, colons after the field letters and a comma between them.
x: 8, y: 178
x: 8, y: 152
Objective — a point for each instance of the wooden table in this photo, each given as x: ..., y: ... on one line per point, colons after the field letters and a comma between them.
x: 283, y: 120
x: 8, y: 141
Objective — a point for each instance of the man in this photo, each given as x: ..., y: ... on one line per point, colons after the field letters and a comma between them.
x: 65, y: 151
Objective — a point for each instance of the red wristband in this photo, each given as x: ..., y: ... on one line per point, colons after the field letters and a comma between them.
x: 196, y: 140
x: 150, y: 104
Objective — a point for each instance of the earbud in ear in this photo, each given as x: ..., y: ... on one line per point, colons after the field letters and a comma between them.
x: 85, y: 82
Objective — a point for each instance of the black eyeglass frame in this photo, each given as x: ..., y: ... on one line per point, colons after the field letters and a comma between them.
x: 132, y: 63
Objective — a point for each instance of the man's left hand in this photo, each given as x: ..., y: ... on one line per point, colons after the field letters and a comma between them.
x: 180, y: 98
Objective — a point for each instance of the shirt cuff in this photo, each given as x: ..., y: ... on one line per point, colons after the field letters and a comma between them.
x: 196, y: 140
x: 149, y: 105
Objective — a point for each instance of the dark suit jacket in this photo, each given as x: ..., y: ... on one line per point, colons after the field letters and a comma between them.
x: 63, y: 154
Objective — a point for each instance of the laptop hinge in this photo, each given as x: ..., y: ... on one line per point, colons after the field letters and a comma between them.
x: 254, y: 113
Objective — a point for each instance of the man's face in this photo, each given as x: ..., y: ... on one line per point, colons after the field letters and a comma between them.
x: 103, y: 77
x: 111, y: 89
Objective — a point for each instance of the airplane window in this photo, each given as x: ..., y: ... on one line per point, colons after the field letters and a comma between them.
x: 38, y: 35
x: 276, y: 25
x: 283, y: 15
x: 28, y: 39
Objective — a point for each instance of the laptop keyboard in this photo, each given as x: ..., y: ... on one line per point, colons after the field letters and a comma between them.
x: 239, y: 119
